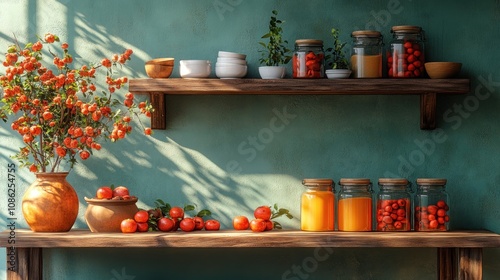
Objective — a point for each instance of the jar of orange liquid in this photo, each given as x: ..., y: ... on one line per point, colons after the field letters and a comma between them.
x: 366, y: 57
x: 355, y: 205
x: 317, y: 205
x: 393, y: 211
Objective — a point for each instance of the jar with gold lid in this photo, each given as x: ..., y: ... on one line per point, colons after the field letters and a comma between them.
x: 317, y: 211
x: 431, y: 205
x: 366, y: 54
x: 355, y: 205
x: 406, y: 56
x: 393, y: 210
x: 308, y: 60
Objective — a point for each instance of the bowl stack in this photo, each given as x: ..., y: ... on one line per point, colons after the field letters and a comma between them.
x: 231, y: 65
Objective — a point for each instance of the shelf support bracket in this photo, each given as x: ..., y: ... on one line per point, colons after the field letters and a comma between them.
x: 428, y: 111
x: 158, y: 120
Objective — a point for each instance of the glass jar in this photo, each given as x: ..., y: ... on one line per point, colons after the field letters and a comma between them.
x: 406, y: 57
x: 366, y: 54
x: 317, y: 212
x: 308, y: 59
x: 355, y: 205
x: 431, y: 205
x: 393, y: 205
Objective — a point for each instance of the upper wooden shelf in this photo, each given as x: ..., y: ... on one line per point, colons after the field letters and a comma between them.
x: 426, y: 88
x: 275, y: 238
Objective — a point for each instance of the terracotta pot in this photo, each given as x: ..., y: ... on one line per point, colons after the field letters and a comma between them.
x: 50, y: 204
x: 105, y: 215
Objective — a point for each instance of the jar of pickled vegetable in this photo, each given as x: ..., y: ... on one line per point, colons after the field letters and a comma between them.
x: 308, y: 59
x: 366, y: 54
x: 406, y: 57
x: 393, y: 205
x: 317, y: 212
x: 355, y: 205
x: 431, y: 205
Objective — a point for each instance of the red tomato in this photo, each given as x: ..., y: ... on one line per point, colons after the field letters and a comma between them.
x: 212, y: 225
x: 199, y: 223
x: 120, y: 191
x: 176, y: 212
x: 128, y: 226
x: 142, y: 227
x: 258, y: 225
x: 142, y: 216
x: 104, y: 193
x: 165, y: 224
x: 240, y: 223
x: 269, y: 225
x: 262, y: 212
x: 187, y: 224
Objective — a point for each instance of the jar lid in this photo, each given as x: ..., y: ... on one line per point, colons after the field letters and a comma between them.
x: 354, y: 181
x: 314, y: 182
x: 431, y: 181
x: 309, y: 42
x: 393, y: 181
x: 366, y: 33
x: 406, y: 29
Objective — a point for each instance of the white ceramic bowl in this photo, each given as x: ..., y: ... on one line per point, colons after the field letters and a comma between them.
x: 338, y: 73
x: 230, y: 71
x: 194, y: 68
x: 231, y: 60
x: 232, y: 55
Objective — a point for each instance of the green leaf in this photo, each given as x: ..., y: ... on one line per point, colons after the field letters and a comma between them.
x: 289, y: 216
x: 204, y: 213
x: 276, y: 206
x: 277, y: 225
x: 189, y: 207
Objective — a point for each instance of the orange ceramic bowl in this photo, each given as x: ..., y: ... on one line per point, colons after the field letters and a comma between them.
x: 442, y: 70
x: 159, y: 67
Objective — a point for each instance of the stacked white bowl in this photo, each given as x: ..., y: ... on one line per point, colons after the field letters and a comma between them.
x: 231, y: 65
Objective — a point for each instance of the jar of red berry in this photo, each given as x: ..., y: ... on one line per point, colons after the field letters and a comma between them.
x: 406, y: 56
x: 308, y: 60
x: 393, y: 205
x: 431, y: 205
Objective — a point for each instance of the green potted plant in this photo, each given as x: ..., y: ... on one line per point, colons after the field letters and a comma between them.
x: 336, y: 59
x: 275, y: 53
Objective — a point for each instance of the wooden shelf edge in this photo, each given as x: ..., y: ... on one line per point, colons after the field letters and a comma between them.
x: 248, y: 239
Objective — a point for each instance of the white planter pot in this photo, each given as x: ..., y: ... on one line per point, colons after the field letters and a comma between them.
x: 272, y: 72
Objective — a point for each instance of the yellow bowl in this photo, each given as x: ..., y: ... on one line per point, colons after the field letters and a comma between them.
x: 159, y: 67
x: 442, y: 70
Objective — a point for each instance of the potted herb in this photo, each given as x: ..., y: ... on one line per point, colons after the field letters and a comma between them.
x: 275, y: 53
x: 336, y: 58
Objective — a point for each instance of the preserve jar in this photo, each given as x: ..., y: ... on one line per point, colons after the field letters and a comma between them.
x: 317, y: 212
x: 393, y: 205
x: 366, y: 54
x: 431, y: 205
x: 308, y: 59
x: 406, y: 56
x: 355, y: 205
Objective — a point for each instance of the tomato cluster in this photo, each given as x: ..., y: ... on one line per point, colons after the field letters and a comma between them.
x: 165, y: 218
x: 263, y: 219
x: 113, y: 193
x: 393, y: 215
x: 406, y: 61
x: 432, y: 217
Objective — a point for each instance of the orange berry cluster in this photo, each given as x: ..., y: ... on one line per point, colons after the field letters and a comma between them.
x: 406, y: 61
x: 433, y: 217
x: 393, y: 215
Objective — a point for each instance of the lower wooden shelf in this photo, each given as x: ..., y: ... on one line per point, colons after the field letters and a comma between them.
x: 459, y: 253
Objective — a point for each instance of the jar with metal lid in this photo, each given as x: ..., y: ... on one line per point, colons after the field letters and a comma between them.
x: 308, y: 59
x: 431, y: 205
x: 355, y: 205
x: 406, y: 56
x: 393, y: 205
x: 366, y: 54
x: 317, y: 212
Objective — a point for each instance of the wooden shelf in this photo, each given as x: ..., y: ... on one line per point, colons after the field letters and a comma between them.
x: 459, y: 253
x: 426, y: 88
x: 232, y: 238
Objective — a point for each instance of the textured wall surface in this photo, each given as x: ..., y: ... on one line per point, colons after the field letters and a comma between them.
x: 322, y: 136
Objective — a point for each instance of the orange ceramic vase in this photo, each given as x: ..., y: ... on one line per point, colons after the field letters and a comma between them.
x: 50, y: 204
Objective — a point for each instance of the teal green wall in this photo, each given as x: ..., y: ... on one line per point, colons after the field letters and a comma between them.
x: 324, y: 136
